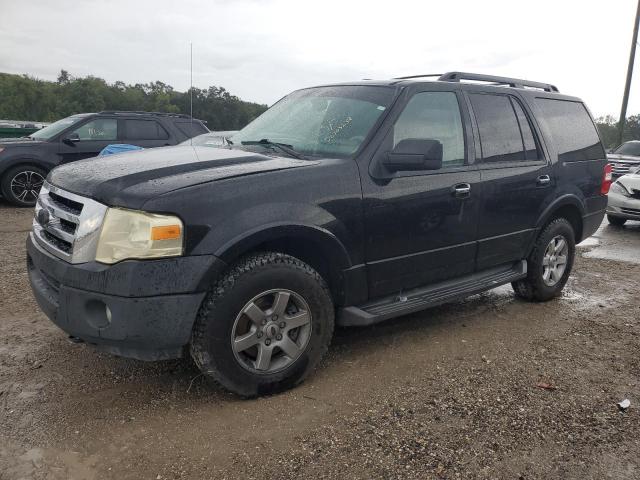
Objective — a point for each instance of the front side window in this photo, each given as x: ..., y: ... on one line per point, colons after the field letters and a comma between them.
x: 500, y: 121
x: 323, y: 121
x: 434, y: 116
x: 98, y: 129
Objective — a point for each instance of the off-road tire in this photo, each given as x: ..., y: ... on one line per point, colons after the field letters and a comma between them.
x: 5, y: 185
x: 616, y: 221
x: 211, y: 345
x: 533, y: 287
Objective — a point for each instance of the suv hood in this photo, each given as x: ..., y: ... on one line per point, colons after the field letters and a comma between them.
x: 9, y: 142
x: 130, y: 179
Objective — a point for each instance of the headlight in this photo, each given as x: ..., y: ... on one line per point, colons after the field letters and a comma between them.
x: 619, y: 188
x: 133, y: 234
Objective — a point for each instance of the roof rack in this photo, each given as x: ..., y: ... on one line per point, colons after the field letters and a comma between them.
x: 137, y: 112
x: 418, y: 76
x: 511, y: 82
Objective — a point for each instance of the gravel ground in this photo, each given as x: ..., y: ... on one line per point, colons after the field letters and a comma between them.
x: 452, y: 392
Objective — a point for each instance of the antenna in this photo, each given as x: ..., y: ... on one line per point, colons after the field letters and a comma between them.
x: 191, y: 92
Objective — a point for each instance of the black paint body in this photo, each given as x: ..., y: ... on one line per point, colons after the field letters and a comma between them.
x: 369, y: 232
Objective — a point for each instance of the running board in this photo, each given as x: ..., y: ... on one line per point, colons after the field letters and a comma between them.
x: 425, y: 297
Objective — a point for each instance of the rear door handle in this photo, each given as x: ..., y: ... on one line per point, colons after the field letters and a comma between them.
x: 461, y: 190
x: 543, y: 180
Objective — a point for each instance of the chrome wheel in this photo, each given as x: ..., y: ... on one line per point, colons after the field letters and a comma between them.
x: 554, y: 262
x: 25, y: 186
x: 271, y: 331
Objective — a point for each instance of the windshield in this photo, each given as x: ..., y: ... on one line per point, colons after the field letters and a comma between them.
x: 629, y: 148
x: 55, y: 128
x: 323, y: 121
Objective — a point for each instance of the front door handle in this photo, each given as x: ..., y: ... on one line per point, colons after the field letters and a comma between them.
x: 543, y: 180
x: 461, y: 190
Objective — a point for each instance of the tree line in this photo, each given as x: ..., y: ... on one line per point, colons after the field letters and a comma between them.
x: 610, y: 133
x: 23, y: 97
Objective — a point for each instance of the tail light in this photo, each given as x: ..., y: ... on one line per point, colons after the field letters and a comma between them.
x: 607, y: 179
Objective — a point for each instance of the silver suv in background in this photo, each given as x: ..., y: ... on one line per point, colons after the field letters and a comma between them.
x: 624, y: 158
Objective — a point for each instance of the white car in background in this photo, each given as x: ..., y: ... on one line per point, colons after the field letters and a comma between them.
x: 624, y: 199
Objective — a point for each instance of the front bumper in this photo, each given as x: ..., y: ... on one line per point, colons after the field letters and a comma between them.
x: 139, y: 309
x: 623, y: 207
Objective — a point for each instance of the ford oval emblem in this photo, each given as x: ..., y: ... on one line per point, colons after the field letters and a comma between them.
x: 43, y: 217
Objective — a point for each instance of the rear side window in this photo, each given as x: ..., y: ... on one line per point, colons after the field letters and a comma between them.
x: 572, y: 130
x: 191, y: 129
x: 145, y: 130
x: 505, y: 132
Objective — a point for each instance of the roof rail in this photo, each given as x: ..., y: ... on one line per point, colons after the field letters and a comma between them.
x: 138, y: 112
x: 512, y: 82
x: 418, y: 76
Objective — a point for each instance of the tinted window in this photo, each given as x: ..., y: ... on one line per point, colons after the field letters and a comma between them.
x: 433, y: 116
x: 573, y: 133
x: 98, y: 129
x: 191, y: 129
x: 528, y: 140
x: 145, y: 130
x: 500, y: 137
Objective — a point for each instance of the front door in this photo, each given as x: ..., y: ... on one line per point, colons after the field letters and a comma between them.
x: 517, y: 181
x: 421, y: 226
x: 88, y: 139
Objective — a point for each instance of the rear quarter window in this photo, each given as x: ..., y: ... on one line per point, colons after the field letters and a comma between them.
x: 572, y: 130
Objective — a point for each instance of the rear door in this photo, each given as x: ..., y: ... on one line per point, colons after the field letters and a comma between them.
x: 418, y: 229
x: 146, y: 133
x: 89, y: 139
x: 516, y: 176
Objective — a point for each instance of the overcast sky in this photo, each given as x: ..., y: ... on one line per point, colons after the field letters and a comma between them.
x: 260, y: 50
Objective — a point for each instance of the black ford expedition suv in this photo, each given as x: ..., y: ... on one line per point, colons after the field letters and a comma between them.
x: 24, y: 162
x: 343, y: 204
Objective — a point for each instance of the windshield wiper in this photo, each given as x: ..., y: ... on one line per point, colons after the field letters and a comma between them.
x: 282, y: 146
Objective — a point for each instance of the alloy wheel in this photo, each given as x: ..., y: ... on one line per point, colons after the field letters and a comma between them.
x: 25, y: 186
x: 271, y: 331
x: 554, y: 262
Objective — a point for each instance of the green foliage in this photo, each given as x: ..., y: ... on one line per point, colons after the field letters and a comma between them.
x: 26, y: 98
x: 608, y: 127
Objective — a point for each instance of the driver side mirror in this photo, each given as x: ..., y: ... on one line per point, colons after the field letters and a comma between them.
x: 412, y: 154
x: 71, y: 139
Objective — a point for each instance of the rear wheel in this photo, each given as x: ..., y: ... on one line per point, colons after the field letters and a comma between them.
x: 264, y: 326
x: 616, y: 221
x: 21, y: 185
x: 549, y: 264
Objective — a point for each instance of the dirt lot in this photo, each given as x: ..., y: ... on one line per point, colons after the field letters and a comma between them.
x: 446, y: 393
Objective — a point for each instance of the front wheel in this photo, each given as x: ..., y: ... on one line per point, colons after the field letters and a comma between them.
x: 549, y: 264
x: 21, y: 185
x: 264, y: 326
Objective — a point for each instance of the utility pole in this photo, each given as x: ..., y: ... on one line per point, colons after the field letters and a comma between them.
x: 627, y: 85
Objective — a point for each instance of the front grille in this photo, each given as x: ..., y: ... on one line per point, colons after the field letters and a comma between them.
x: 619, y: 169
x: 635, y: 193
x: 630, y: 211
x: 66, y: 224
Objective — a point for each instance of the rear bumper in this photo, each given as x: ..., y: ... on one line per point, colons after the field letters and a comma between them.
x: 138, y: 309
